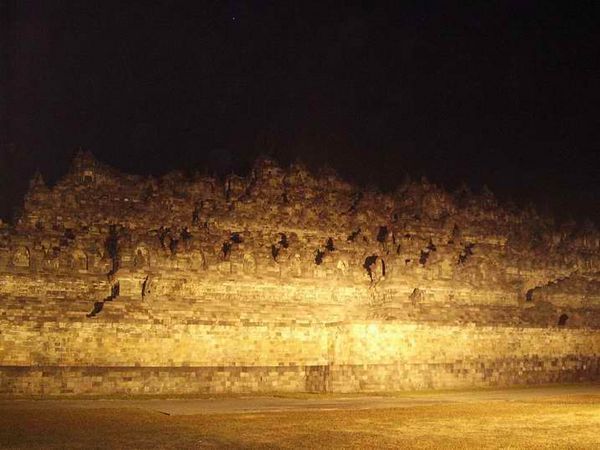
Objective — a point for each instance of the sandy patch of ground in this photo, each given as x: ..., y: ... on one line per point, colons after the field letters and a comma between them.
x: 525, y: 419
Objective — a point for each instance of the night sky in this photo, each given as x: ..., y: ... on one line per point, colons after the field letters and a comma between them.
x: 500, y: 93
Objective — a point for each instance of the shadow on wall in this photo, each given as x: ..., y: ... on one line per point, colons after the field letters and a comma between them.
x: 562, y: 320
x: 98, y: 306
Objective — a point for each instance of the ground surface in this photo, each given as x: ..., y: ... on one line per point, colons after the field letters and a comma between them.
x: 557, y: 417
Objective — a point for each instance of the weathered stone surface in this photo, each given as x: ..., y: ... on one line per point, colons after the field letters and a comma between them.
x: 287, y: 280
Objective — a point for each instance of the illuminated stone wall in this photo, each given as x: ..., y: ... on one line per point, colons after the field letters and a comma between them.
x: 380, y: 356
x: 287, y: 280
x: 105, y: 359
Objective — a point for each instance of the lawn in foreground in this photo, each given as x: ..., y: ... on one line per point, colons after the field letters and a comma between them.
x: 559, y: 422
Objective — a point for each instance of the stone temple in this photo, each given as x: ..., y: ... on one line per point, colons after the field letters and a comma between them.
x: 287, y: 280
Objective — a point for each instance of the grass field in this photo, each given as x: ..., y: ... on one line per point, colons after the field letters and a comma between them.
x: 562, y: 421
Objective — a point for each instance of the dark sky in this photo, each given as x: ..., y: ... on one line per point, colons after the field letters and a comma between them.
x: 501, y: 93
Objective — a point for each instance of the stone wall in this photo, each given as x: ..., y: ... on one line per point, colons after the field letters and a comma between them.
x: 383, y: 356
x: 104, y: 359
x: 287, y: 280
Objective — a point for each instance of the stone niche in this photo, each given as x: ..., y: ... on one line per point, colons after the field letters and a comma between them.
x: 21, y: 257
x: 141, y: 257
x: 79, y: 260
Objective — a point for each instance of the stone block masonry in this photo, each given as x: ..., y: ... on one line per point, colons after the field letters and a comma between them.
x: 96, y: 359
x: 287, y: 281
